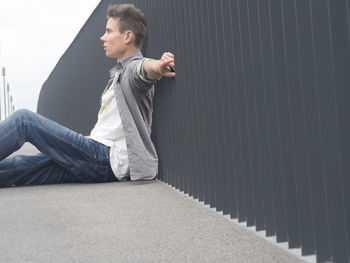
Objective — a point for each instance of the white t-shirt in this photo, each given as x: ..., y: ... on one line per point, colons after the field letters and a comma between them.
x: 109, y: 131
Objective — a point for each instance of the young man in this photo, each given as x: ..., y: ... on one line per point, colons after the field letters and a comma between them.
x: 119, y: 147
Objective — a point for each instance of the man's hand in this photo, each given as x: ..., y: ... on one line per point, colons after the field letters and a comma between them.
x: 163, y: 67
x: 168, y: 66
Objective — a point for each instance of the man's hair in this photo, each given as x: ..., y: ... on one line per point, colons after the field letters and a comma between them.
x: 130, y: 18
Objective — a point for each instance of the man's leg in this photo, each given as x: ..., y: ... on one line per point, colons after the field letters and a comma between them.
x: 32, y: 170
x: 85, y: 159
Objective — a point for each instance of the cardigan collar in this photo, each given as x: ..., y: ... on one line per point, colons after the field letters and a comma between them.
x: 122, y: 64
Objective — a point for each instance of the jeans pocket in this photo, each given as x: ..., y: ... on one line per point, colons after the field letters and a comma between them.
x: 90, y: 172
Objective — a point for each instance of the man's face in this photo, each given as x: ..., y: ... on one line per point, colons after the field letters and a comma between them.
x: 113, y: 41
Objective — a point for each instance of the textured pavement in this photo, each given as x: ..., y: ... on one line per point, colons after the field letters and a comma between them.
x: 121, y: 222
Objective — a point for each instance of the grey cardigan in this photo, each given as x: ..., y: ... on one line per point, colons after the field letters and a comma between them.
x: 134, y: 96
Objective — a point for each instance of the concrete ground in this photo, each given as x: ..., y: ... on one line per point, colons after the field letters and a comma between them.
x: 121, y: 222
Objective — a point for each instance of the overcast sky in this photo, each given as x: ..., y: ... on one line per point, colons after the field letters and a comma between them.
x: 33, y: 36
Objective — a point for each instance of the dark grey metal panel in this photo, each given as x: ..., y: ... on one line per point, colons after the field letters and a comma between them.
x: 313, y: 151
x: 284, y: 65
x: 330, y: 143
x: 256, y: 122
x: 278, y: 222
x: 301, y: 210
x: 256, y: 126
x: 340, y: 23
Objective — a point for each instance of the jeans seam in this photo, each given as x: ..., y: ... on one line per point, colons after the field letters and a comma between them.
x: 75, y: 165
x: 107, y: 152
x: 20, y: 129
x: 107, y: 173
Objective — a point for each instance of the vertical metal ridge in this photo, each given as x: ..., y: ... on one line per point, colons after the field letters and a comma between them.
x: 259, y: 123
x: 288, y: 67
x: 301, y: 161
x: 251, y: 120
x: 330, y: 146
x: 269, y: 209
x: 235, y: 125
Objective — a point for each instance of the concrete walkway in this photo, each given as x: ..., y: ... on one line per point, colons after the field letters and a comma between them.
x: 121, y: 222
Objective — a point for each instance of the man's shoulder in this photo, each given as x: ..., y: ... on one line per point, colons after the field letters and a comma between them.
x: 134, y: 58
x: 133, y: 63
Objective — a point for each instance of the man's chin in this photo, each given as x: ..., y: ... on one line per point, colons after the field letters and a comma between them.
x: 109, y: 55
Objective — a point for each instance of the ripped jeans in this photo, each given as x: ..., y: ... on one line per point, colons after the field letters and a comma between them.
x: 65, y: 156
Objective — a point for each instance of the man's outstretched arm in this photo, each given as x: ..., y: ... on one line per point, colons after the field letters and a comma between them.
x: 158, y: 68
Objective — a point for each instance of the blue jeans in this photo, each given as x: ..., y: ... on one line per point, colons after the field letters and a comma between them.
x: 65, y: 156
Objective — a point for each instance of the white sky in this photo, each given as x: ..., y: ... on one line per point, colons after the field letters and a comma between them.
x: 33, y: 36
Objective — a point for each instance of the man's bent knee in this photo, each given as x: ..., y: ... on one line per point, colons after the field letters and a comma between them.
x: 22, y: 112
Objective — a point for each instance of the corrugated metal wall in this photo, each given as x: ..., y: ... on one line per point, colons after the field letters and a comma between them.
x: 256, y: 123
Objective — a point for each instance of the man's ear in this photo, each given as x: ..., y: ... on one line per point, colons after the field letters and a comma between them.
x: 129, y: 37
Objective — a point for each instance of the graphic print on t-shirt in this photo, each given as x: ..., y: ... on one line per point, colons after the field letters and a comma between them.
x: 106, y: 105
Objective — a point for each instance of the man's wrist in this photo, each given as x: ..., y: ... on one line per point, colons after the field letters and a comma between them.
x: 145, y: 74
x: 142, y: 72
x: 150, y: 70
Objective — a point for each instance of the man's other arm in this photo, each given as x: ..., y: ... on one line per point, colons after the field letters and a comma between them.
x: 156, y: 69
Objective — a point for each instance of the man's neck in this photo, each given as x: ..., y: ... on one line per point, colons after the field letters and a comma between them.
x: 128, y: 53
